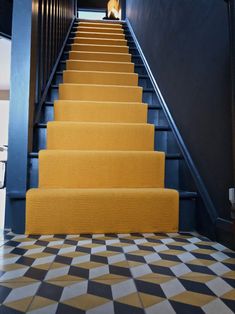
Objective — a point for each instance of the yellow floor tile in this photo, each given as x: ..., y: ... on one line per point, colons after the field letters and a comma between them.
x: 193, y: 298
x: 86, y: 302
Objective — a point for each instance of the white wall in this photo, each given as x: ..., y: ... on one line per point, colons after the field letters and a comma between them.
x: 5, y: 57
x: 5, y: 61
x: 4, y: 113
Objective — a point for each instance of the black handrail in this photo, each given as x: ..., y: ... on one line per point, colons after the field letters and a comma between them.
x: 5, y: 35
x: 184, y: 151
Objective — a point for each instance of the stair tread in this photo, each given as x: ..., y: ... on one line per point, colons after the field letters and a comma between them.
x: 94, y: 27
x: 96, y: 45
x: 101, y: 39
x: 182, y: 194
x: 141, y: 76
x: 144, y: 89
x: 20, y: 195
x: 101, y: 190
x: 120, y: 86
x: 102, y: 53
x: 108, y: 124
x: 99, y: 29
x: 111, y: 25
x: 167, y: 156
x: 157, y: 127
x: 98, y: 61
x: 103, y: 86
x: 100, y: 22
x: 124, y: 103
x: 104, y: 153
x: 51, y: 103
x: 100, y: 33
x: 99, y: 72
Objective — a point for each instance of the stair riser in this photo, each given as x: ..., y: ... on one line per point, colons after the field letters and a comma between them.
x: 107, y: 42
x: 99, y: 93
x: 100, y: 66
x: 81, y: 34
x: 100, y: 112
x: 143, y: 82
x: 73, y: 55
x: 70, y: 113
x: 75, y: 212
x: 72, y: 169
x: 102, y: 25
x: 115, y: 58
x: 155, y: 116
x: 171, y: 172
x: 100, y: 78
x: 92, y: 136
x: 99, y: 48
x: 160, y: 139
x: 99, y: 30
x: 91, y: 41
x: 65, y: 111
x: 147, y: 97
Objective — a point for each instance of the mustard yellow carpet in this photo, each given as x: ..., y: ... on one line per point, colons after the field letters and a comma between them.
x: 100, y: 173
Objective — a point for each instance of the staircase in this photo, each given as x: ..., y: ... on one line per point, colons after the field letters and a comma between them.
x: 106, y: 151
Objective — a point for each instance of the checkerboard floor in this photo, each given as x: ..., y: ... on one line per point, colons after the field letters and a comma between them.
x: 122, y: 274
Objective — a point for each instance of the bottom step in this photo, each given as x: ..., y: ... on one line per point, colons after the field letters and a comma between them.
x: 71, y: 211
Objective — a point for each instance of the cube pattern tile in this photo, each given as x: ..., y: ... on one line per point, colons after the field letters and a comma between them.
x: 115, y: 274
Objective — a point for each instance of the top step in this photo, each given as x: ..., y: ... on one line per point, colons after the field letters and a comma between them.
x: 102, y: 21
x: 100, y: 24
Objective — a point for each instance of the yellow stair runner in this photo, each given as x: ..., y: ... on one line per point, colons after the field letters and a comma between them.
x: 100, y: 173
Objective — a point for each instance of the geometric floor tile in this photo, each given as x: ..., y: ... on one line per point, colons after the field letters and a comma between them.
x: 115, y: 274
x: 217, y: 306
x: 192, y: 298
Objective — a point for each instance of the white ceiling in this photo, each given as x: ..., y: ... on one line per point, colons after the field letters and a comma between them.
x: 5, y: 63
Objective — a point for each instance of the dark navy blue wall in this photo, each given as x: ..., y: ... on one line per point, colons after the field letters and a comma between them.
x: 6, y: 17
x: 186, y: 43
x: 92, y: 4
